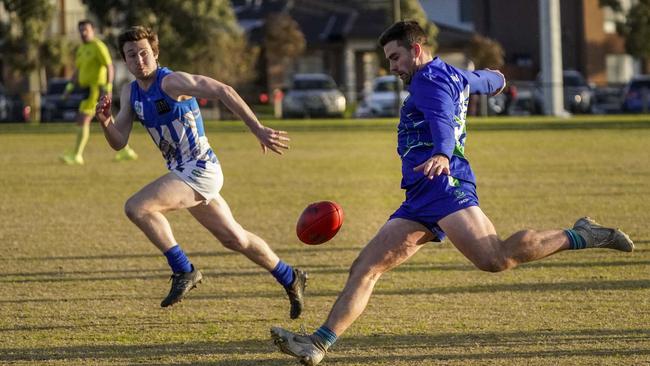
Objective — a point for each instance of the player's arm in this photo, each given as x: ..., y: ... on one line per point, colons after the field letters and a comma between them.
x: 434, y: 99
x: 69, y: 87
x: 180, y: 84
x: 118, y: 129
x: 491, y: 82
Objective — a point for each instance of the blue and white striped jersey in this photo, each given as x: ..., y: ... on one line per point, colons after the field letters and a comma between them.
x: 175, y: 127
x: 432, y: 119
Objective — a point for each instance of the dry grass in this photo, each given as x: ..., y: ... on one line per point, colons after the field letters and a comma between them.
x: 81, y: 285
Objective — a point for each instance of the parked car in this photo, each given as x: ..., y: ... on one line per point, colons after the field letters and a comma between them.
x: 11, y: 107
x: 577, y: 94
x: 380, y: 102
x: 636, y: 95
x: 313, y: 95
x: 54, y: 107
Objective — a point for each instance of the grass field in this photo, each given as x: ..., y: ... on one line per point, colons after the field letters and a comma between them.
x: 81, y: 285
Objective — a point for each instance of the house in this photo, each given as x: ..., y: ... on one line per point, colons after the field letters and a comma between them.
x: 590, y: 43
x: 341, y: 38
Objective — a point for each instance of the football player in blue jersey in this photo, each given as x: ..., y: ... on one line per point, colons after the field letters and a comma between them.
x: 440, y: 190
x: 165, y: 103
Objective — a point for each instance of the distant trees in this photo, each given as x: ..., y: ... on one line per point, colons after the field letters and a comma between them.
x: 200, y: 36
x: 635, y: 28
x: 412, y: 10
x: 485, y: 52
x: 283, y: 42
x: 26, y: 49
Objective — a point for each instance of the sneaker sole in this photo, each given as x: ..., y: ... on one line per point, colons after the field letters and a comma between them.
x: 180, y: 298
x: 280, y: 341
x: 295, y: 314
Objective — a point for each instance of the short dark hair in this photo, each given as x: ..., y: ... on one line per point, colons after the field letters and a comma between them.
x: 406, y: 33
x: 136, y: 33
x: 83, y: 22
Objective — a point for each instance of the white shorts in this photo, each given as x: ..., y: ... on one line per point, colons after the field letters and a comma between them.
x: 206, y: 181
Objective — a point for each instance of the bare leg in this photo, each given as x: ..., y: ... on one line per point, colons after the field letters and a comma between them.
x: 218, y: 219
x: 395, y: 242
x: 474, y: 235
x: 146, y: 208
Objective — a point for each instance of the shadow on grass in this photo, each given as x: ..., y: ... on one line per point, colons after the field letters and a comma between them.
x: 163, y: 273
x: 526, y: 287
x: 543, y: 343
x: 216, y: 253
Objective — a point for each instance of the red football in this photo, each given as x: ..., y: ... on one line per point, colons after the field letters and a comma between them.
x: 319, y: 222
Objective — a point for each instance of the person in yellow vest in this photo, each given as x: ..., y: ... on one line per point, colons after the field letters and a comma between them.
x: 94, y: 74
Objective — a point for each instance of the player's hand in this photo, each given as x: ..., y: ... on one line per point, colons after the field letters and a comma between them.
x: 103, y: 110
x: 504, y: 82
x: 434, y: 166
x: 272, y: 139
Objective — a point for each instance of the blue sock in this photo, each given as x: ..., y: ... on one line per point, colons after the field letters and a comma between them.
x: 178, y: 260
x: 283, y: 273
x: 576, y: 241
x: 326, y: 336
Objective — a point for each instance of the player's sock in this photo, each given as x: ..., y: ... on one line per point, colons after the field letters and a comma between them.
x: 283, y: 273
x: 325, y: 337
x: 82, y: 139
x: 576, y: 241
x: 178, y: 260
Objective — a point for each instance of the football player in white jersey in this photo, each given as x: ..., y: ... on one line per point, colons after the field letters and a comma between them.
x: 165, y: 103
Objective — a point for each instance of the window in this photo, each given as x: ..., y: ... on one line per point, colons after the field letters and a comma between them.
x: 621, y: 67
x: 466, y: 11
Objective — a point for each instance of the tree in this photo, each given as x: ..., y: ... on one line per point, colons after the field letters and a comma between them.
x: 25, y: 48
x: 412, y: 10
x: 283, y: 42
x: 485, y: 53
x: 200, y: 36
x: 636, y: 30
x: 636, y: 27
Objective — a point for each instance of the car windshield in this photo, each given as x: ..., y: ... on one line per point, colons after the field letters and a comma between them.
x: 56, y: 87
x: 310, y: 84
x: 640, y: 84
x: 385, y: 86
x: 573, y: 80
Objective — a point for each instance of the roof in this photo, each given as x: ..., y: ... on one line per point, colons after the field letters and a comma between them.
x: 320, y: 21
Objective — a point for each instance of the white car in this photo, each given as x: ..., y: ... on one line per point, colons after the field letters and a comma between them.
x: 381, y: 101
x: 313, y: 95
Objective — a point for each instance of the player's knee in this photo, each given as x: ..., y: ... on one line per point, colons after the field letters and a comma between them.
x: 234, y: 242
x: 496, y: 263
x: 133, y: 210
x: 362, y: 270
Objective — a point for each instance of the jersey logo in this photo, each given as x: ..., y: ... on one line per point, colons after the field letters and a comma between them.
x: 162, y: 106
x: 139, y: 110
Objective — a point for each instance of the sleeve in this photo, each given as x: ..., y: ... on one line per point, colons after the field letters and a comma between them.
x: 434, y: 98
x: 483, y: 81
x: 104, y: 55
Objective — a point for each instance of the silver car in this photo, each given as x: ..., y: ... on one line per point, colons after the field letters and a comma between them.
x: 313, y: 95
x: 381, y: 101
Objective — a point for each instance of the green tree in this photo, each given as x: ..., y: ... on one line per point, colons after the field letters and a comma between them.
x: 412, y: 10
x: 200, y: 36
x: 636, y: 30
x: 283, y: 42
x: 485, y: 52
x: 26, y: 49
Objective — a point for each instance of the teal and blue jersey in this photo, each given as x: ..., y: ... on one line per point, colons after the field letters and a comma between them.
x: 432, y: 119
x: 176, y: 127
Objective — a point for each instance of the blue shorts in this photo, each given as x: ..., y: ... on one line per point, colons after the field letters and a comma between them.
x: 429, y: 201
